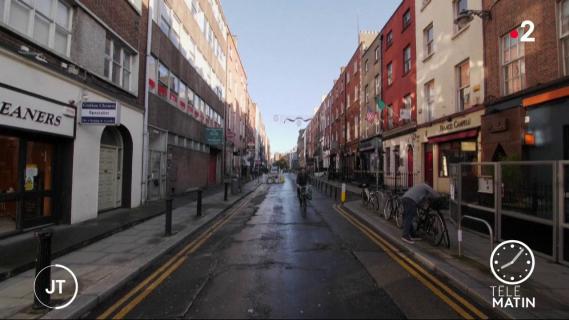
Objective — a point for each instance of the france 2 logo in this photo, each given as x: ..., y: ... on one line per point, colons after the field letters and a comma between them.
x: 526, y: 34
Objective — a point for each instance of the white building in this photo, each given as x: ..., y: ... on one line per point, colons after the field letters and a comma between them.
x: 450, y: 88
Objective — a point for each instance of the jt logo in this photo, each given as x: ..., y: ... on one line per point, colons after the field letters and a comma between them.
x: 52, y: 290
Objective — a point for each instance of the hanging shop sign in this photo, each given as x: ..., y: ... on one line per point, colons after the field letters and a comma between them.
x: 23, y: 111
x: 100, y: 113
x: 214, y: 136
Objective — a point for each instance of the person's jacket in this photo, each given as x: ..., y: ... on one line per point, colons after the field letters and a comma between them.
x: 302, y: 179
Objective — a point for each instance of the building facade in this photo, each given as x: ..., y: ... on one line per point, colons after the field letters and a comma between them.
x: 450, y: 90
x: 64, y: 63
x: 399, y: 94
x: 370, y: 116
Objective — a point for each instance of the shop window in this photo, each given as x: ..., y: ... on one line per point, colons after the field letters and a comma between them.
x: 455, y: 152
x: 9, y: 183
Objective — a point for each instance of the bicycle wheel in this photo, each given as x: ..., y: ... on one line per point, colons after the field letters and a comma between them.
x: 398, y: 213
x: 377, y: 200
x: 436, y: 228
x: 387, y: 209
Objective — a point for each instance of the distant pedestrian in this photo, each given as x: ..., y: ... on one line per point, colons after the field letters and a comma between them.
x: 414, y: 197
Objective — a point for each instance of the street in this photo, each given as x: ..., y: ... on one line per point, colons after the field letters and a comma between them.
x: 263, y: 259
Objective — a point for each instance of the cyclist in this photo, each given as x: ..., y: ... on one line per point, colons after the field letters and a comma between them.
x: 301, y: 181
x: 415, y: 196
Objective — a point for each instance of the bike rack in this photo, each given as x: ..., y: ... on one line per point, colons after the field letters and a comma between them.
x: 484, y: 222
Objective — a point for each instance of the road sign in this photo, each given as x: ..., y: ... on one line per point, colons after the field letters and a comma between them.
x: 100, y: 113
x: 214, y: 136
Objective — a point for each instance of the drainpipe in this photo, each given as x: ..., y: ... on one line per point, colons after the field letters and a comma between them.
x: 145, y: 138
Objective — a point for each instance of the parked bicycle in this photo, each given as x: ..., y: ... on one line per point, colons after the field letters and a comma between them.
x: 393, y: 207
x: 369, y: 197
x: 431, y: 221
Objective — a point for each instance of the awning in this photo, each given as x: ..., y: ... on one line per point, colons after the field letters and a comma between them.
x: 472, y: 133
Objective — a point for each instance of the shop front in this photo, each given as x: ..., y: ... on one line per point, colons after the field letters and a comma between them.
x: 36, y: 143
x: 453, y: 139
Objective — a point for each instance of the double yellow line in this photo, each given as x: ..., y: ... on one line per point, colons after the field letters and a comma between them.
x: 457, y: 303
x: 135, y: 296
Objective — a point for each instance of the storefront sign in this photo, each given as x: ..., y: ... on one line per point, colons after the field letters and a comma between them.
x: 214, y: 136
x: 455, y: 124
x: 23, y: 111
x: 100, y: 113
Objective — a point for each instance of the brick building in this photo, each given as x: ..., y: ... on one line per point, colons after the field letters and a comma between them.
x: 337, y: 130
x: 64, y: 63
x: 526, y: 82
x: 399, y: 86
x: 353, y: 85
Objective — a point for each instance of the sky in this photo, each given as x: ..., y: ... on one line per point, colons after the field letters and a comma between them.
x: 292, y: 51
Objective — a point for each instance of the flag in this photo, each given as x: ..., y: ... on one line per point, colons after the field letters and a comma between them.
x: 370, y: 115
x: 380, y: 104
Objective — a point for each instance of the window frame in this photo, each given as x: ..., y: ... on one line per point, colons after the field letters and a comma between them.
x: 111, y: 63
x: 563, y: 38
x: 460, y: 105
x: 456, y: 11
x: 389, y: 73
x: 407, y: 63
x: 406, y: 23
x: 520, y: 60
x: 429, y: 44
x: 429, y: 92
x: 389, y: 39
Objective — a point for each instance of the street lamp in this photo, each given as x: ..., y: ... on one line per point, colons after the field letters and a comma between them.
x: 465, y: 16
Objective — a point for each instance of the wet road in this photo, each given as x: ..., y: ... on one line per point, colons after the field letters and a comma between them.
x: 267, y: 260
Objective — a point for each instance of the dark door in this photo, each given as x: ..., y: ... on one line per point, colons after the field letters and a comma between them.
x: 429, y: 164
x: 409, y: 167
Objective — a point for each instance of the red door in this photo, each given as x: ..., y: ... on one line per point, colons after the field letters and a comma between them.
x: 409, y: 167
x: 212, y: 176
x: 429, y: 164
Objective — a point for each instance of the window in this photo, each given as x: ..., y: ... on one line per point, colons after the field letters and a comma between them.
x: 389, y: 39
x: 136, y: 3
x: 366, y: 94
x: 349, y: 131
x: 463, y: 85
x: 564, y: 34
x: 376, y: 85
x: 356, y: 127
x: 377, y: 54
x: 428, y: 40
x: 389, y: 117
x: 389, y: 74
x: 513, y: 64
x: 458, y: 7
x: 47, y: 22
x: 118, y: 63
x: 429, y: 99
x: 406, y: 19
x: 406, y: 60
x: 366, y: 66
x: 455, y: 152
x: 405, y: 112
x: 165, y: 18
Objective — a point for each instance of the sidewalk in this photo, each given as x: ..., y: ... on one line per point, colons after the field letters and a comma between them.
x: 549, y: 283
x: 106, y: 265
x: 18, y: 253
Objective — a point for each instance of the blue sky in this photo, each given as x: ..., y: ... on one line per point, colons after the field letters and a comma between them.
x: 292, y: 51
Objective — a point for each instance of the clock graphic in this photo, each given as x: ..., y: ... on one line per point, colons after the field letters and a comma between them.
x: 512, y: 262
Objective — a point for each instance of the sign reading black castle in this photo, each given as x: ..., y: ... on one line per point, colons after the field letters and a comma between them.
x: 18, y: 110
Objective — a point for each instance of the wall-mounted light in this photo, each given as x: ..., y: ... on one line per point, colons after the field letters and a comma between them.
x: 529, y: 139
x: 465, y: 16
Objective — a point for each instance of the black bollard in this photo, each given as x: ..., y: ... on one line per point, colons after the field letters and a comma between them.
x: 168, y: 230
x: 43, y: 260
x: 225, y: 192
x: 199, y: 208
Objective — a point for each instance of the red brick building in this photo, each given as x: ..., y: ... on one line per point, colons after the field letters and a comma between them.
x: 526, y: 82
x: 399, y: 91
x: 353, y: 85
x: 337, y: 149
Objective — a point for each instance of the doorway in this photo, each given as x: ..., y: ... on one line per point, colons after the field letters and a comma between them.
x: 409, y: 166
x: 110, y: 169
x: 429, y: 164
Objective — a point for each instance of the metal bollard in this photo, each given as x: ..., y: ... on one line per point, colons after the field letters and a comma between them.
x: 43, y: 260
x: 168, y: 230
x: 225, y: 192
x: 199, y: 208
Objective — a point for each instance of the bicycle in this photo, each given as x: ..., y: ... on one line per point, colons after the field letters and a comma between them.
x: 430, y: 220
x: 393, y: 208
x: 369, y: 198
x: 305, y: 196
